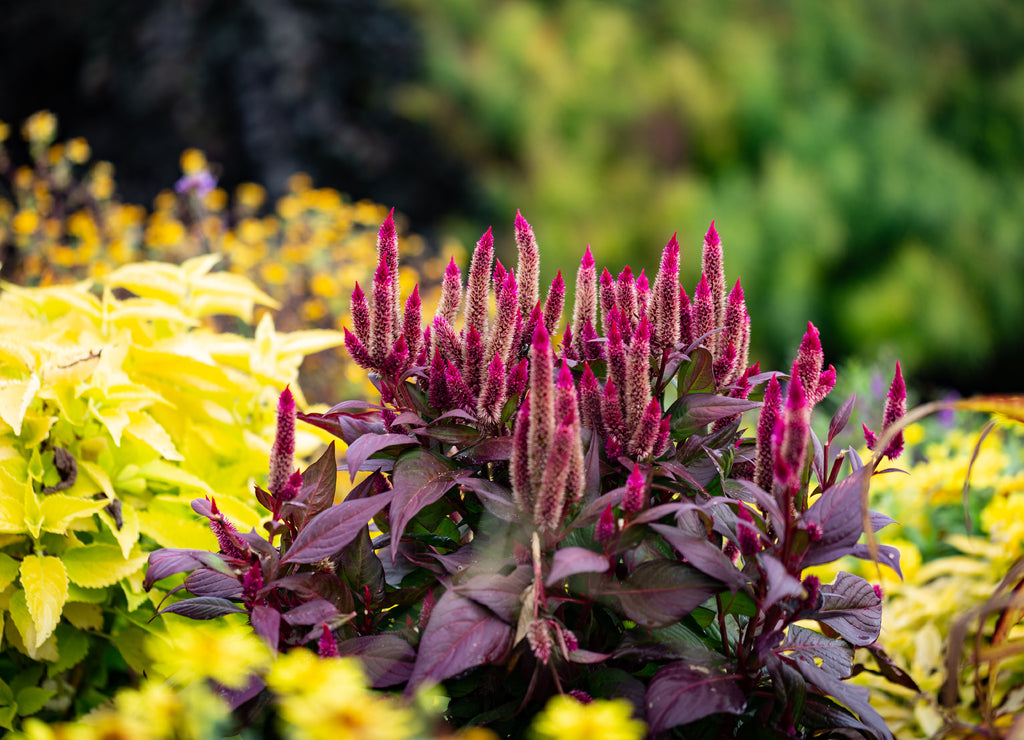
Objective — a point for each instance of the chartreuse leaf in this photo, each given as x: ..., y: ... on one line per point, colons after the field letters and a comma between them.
x: 127, y: 534
x: 15, y: 397
x: 145, y: 428
x: 8, y: 570
x: 59, y: 511
x: 13, y: 491
x: 31, y: 699
x: 98, y: 565
x: 82, y: 615
x: 99, y: 476
x: 23, y: 633
x: 45, y: 581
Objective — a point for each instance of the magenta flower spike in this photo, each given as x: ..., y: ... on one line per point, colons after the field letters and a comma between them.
x: 626, y: 298
x: 771, y: 408
x: 478, y: 287
x: 713, y: 266
x: 664, y: 306
x: 360, y: 313
x: 661, y: 443
x: 412, y: 327
x: 809, y: 361
x: 590, y: 399
x: 542, y: 404
x: 498, y: 280
x: 685, y: 317
x: 737, y: 331
x: 458, y: 389
x: 397, y: 360
x: 383, y: 315
x: 503, y: 335
x: 643, y: 293
x: 438, y: 395
x: 584, y: 308
x: 895, y: 409
x: 519, y: 463
x: 446, y: 340
x: 605, y: 529
x: 725, y: 365
x: 228, y: 539
x: 636, y: 484
x: 528, y: 268
x: 702, y: 313
x: 615, y: 351
x: 645, y: 434
x: 553, y: 304
x: 551, y: 495
x: 791, y: 437
x: 327, y: 647
x: 746, y: 532
x: 608, y: 298
x: 638, y: 373
x: 473, y: 354
x: 282, y: 452
x: 614, y: 423
x: 492, y: 393
x: 518, y: 377
x: 358, y: 351
x: 451, y: 293
x: 826, y: 382
x: 566, y: 400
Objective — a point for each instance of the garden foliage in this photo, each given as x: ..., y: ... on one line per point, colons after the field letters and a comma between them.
x: 590, y: 517
x: 118, y: 405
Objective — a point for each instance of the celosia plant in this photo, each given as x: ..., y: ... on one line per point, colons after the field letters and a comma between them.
x: 585, y: 517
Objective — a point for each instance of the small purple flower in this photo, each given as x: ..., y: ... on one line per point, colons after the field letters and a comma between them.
x: 201, y: 183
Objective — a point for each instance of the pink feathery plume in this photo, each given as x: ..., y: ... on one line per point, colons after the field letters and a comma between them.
x: 809, y: 362
x: 747, y: 533
x: 567, y: 406
x: 458, y: 389
x: 473, y: 359
x: 446, y: 340
x: 771, y: 407
x: 569, y: 345
x: 590, y: 399
x: 498, y: 279
x: 492, y: 394
x: 641, y: 444
x: 636, y: 485
x: 895, y: 409
x: 503, y: 336
x: 629, y: 306
x: 542, y: 404
x: 608, y: 299
x: 664, y: 308
x: 358, y: 351
x: 282, y: 452
x: 518, y: 377
x: 426, y: 347
x: 478, y: 287
x: 686, y: 335
x: 591, y: 347
x: 412, y: 327
x: 638, y: 373
x: 712, y: 265
x: 606, y: 527
x: 791, y: 437
x: 451, y: 293
x: 702, y: 313
x: 584, y: 308
x: 614, y: 423
x: 643, y: 293
x: 519, y: 463
x: 615, y: 350
x: 724, y: 366
x: 360, y: 313
x: 228, y: 539
x: 554, y: 304
x: 327, y: 647
x: 661, y: 443
x: 528, y: 269
x: 551, y: 495
x: 736, y: 326
x: 438, y: 395
x: 397, y: 359
x: 382, y: 314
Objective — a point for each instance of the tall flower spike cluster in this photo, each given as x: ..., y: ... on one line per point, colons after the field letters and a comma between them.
x: 384, y: 338
x: 895, y: 409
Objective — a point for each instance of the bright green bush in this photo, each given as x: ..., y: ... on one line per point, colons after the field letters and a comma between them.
x: 116, y: 410
x: 869, y: 156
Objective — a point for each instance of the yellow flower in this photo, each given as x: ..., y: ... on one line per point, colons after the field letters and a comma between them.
x: 26, y: 222
x: 216, y: 199
x: 192, y: 161
x: 300, y: 182
x: 5, y: 131
x: 250, y: 195
x: 78, y: 150
x: 225, y: 651
x: 40, y: 127
x: 564, y: 718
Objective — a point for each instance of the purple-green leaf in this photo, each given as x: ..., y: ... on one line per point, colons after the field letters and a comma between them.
x: 572, y: 560
x: 420, y: 479
x: 366, y: 446
x: 387, y: 658
x: 499, y: 593
x: 208, y: 582
x: 685, y: 692
x: 660, y: 592
x: 838, y: 512
x: 168, y: 561
x: 496, y: 498
x: 311, y: 612
x: 698, y: 375
x: 841, y: 417
x: 851, y: 607
x: 203, y: 607
x: 853, y: 697
x: 703, y: 556
x: 460, y: 635
x: 266, y: 623
x: 831, y: 655
x: 334, y: 528
x: 319, y: 482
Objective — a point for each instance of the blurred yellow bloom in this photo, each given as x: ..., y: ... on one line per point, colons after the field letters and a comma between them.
x: 227, y: 652
x: 313, y: 310
x: 192, y: 161
x: 250, y: 195
x: 564, y: 718
x: 273, y: 273
x: 25, y: 222
x: 324, y: 286
x: 216, y: 199
x: 23, y: 177
x: 289, y: 207
x: 40, y: 127
x: 78, y: 150
x: 5, y: 131
x: 300, y: 182
x: 55, y: 153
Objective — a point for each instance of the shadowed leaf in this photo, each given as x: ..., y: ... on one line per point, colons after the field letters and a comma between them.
x: 661, y: 592
x: 572, y: 560
x: 685, y: 692
x: 334, y: 528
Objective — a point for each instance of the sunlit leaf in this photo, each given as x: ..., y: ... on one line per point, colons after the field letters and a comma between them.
x: 98, y: 565
x: 45, y: 581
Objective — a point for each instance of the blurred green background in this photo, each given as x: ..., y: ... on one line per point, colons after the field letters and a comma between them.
x: 864, y: 161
